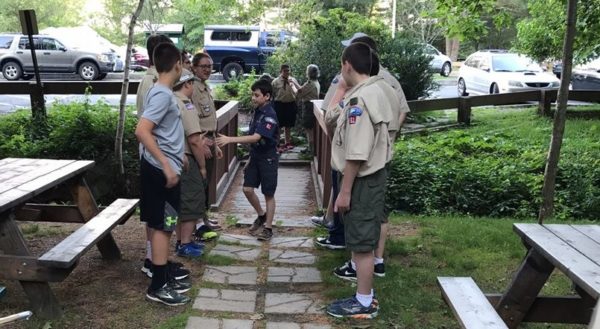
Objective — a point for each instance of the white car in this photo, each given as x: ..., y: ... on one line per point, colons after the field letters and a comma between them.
x: 498, y: 71
x: 440, y: 63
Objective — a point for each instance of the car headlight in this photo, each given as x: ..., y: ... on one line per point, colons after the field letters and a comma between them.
x: 103, y: 58
x: 514, y: 83
x: 555, y: 84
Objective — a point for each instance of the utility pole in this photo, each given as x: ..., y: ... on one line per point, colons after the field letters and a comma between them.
x: 393, y: 19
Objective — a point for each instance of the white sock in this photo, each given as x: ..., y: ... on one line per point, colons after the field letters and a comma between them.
x: 377, y: 260
x: 353, y: 264
x: 148, y: 250
x: 364, y: 300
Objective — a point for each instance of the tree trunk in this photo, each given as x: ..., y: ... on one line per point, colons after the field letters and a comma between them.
x: 124, y: 89
x: 452, y: 46
x: 547, y: 207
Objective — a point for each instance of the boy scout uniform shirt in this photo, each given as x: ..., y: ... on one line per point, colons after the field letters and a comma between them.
x: 264, y: 122
x: 189, y: 118
x: 283, y: 91
x: 205, y: 105
x: 362, y: 127
x: 309, y: 91
x: 148, y: 80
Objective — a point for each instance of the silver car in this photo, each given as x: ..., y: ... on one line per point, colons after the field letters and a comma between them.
x: 52, y: 57
x: 439, y: 63
x: 498, y: 71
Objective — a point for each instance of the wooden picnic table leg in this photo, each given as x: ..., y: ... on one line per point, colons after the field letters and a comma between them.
x: 524, y: 288
x: 89, y: 208
x: 43, y: 302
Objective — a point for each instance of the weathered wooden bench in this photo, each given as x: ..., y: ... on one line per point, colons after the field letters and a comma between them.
x: 67, y: 252
x: 470, y: 306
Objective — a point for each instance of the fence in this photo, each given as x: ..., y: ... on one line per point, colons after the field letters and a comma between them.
x: 227, y: 121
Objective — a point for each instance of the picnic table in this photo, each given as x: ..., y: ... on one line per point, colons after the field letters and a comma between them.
x: 572, y: 249
x: 22, y: 180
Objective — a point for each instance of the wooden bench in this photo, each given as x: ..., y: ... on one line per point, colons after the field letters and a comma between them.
x: 469, y: 304
x: 66, y: 253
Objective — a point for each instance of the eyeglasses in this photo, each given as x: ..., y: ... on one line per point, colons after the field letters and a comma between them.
x: 204, y: 66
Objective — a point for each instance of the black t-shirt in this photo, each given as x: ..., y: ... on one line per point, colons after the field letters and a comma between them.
x: 264, y: 122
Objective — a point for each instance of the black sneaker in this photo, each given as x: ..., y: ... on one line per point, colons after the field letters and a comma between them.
x: 379, y: 270
x: 177, y: 271
x: 167, y: 296
x: 325, y: 243
x: 180, y: 286
x: 351, y: 308
x: 265, y: 234
x: 147, y: 268
x: 345, y: 272
x: 258, y: 223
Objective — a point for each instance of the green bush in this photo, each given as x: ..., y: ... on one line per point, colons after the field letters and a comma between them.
x: 237, y: 89
x: 78, y: 131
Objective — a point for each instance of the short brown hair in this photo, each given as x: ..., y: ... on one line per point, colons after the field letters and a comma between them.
x: 151, y: 44
x: 198, y: 57
x: 363, y: 58
x: 166, y: 56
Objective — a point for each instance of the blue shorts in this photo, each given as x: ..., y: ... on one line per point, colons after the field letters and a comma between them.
x: 261, y: 170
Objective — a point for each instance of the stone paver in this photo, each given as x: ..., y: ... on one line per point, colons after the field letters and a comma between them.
x: 205, y: 323
x: 292, y: 303
x: 287, y: 221
x: 236, y: 252
x: 291, y: 325
x: 291, y: 257
x: 230, y: 274
x: 294, y: 274
x: 292, y: 242
x: 241, y: 301
x: 241, y: 239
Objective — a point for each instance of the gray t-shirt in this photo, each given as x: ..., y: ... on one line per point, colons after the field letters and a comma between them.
x: 160, y: 107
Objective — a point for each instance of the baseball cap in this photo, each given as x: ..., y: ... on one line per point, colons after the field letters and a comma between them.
x: 186, y: 76
x: 346, y: 43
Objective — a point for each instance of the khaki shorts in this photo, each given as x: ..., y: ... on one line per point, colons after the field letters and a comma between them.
x: 193, y: 196
x: 362, y: 224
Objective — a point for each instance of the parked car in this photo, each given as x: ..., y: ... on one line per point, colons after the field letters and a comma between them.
x: 440, y: 63
x: 235, y: 49
x: 52, y: 57
x: 498, y: 71
x: 586, y: 76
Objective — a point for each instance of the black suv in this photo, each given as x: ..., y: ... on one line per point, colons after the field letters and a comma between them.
x: 52, y: 56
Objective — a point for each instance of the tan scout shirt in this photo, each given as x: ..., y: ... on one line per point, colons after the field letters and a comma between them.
x: 282, y: 91
x: 205, y: 105
x: 309, y: 91
x: 361, y: 132
x: 148, y: 80
x: 189, y: 118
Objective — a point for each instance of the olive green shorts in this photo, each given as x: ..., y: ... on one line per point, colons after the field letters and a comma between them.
x: 193, y: 196
x: 362, y: 224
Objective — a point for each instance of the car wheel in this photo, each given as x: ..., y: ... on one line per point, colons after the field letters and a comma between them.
x: 12, y: 71
x: 462, y: 88
x: 232, y: 70
x: 494, y: 89
x: 88, y: 71
x: 102, y: 76
x: 446, y: 69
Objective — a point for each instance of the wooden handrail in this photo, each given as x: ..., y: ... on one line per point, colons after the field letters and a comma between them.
x: 322, y: 155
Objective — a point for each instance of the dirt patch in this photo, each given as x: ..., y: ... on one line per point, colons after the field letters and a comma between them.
x: 404, y: 229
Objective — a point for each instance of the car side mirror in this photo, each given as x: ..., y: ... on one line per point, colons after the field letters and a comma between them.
x: 62, y: 48
x: 485, y: 68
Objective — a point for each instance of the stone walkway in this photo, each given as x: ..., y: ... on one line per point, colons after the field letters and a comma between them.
x: 271, y: 285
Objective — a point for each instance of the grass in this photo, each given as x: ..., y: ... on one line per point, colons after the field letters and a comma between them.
x: 485, y: 249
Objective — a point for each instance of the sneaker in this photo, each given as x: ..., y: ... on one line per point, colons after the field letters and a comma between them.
x: 318, y: 220
x: 189, y: 250
x: 345, y: 272
x: 379, y: 270
x: 147, y: 268
x: 351, y: 308
x: 258, y: 223
x: 289, y: 146
x: 180, y: 286
x: 325, y: 243
x: 205, y: 233
x: 167, y: 296
x: 212, y: 224
x: 177, y: 271
x: 265, y: 235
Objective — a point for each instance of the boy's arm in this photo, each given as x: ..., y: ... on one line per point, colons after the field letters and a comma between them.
x: 144, y: 135
x: 196, y: 142
x: 223, y: 140
x: 342, y: 204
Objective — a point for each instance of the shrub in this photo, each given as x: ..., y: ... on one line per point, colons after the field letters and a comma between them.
x: 237, y: 89
x: 78, y: 131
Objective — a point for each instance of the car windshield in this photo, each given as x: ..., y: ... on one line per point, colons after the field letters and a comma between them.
x: 514, y: 63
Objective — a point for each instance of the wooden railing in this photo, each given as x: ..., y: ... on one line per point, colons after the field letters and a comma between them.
x: 227, y: 121
x: 463, y: 105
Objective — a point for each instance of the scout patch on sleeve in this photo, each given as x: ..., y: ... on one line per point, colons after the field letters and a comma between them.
x: 353, y: 114
x: 335, y: 80
x: 354, y: 101
x: 268, y: 126
x: 189, y: 106
x: 341, y: 104
x: 271, y: 120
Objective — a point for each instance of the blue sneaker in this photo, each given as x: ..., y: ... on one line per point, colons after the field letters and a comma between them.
x: 351, y: 308
x: 189, y: 250
x: 199, y: 246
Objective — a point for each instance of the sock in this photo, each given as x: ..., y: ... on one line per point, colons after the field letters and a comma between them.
x: 159, y: 277
x: 179, y: 242
x: 377, y: 260
x: 148, y: 250
x: 353, y: 264
x: 364, y: 300
x: 269, y: 228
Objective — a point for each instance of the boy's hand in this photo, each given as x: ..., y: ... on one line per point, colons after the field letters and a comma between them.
x: 342, y: 85
x: 171, y: 176
x: 219, y: 152
x: 203, y: 172
x: 223, y: 140
x: 342, y: 203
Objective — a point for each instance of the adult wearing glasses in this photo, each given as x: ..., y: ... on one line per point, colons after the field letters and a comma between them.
x: 203, y: 101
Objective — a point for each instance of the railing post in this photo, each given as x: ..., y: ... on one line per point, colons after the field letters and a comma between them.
x: 464, y: 110
x: 545, y: 104
x: 38, y: 110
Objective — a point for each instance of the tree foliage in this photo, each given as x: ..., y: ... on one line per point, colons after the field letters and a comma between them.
x: 49, y: 13
x: 541, y: 35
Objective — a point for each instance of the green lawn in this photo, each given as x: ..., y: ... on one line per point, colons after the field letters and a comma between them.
x: 485, y: 249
